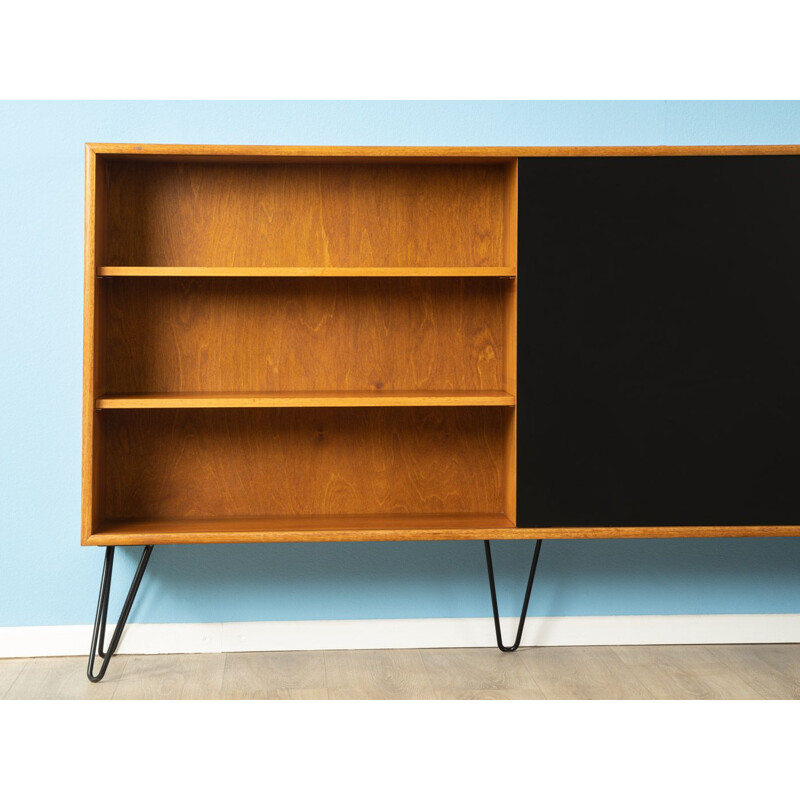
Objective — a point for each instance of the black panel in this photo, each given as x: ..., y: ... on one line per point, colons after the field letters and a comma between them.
x: 659, y: 324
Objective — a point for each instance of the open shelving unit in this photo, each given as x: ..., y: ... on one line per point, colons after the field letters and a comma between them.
x: 299, y: 349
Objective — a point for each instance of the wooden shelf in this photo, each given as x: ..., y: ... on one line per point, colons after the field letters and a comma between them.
x: 361, y: 527
x: 221, y: 409
x: 304, y: 335
x: 307, y: 272
x: 304, y: 399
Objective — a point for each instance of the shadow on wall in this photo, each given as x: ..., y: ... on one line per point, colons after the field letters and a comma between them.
x: 217, y: 583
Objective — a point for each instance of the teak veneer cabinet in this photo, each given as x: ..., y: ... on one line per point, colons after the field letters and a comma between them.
x: 340, y: 344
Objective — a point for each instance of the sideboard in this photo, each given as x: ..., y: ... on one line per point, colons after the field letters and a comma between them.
x: 307, y: 344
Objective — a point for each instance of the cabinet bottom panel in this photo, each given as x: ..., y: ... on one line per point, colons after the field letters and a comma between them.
x: 376, y: 528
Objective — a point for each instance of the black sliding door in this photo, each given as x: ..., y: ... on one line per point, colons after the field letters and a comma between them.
x: 659, y: 341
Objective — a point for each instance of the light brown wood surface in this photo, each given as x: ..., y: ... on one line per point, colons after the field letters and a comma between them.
x: 217, y: 463
x: 304, y: 335
x: 583, y: 673
x: 10, y: 670
x: 384, y: 528
x: 346, y: 215
x: 305, y: 400
x: 91, y: 343
x: 690, y: 672
x: 767, y: 668
x: 306, y: 528
x: 275, y: 676
x: 472, y: 674
x: 93, y: 340
x: 248, y: 153
x: 306, y: 272
x: 377, y: 675
x: 58, y: 678
x: 155, y: 677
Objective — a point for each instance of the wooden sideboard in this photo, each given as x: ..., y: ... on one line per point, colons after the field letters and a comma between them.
x: 294, y: 344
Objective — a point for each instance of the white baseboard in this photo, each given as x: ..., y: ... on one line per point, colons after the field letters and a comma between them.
x: 383, y: 634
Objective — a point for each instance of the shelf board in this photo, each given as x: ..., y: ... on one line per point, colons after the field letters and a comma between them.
x: 306, y: 272
x: 304, y: 399
x: 362, y: 527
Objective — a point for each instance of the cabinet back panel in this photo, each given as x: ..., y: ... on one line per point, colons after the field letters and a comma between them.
x: 183, y: 464
x: 303, y: 334
x: 306, y: 215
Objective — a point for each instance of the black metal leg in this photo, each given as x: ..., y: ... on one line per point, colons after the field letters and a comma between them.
x: 99, y: 633
x: 524, y: 613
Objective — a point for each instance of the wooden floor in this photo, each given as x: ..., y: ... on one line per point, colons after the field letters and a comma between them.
x: 695, y: 672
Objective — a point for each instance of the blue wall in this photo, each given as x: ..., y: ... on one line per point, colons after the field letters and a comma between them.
x: 47, y: 579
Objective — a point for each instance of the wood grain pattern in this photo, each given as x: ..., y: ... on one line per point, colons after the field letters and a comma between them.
x: 63, y: 679
x: 94, y: 338
x: 154, y: 677
x: 275, y: 676
x: 310, y: 523
x: 510, y: 383
x: 217, y: 463
x: 311, y: 528
x: 377, y: 675
x: 510, y: 341
x: 460, y: 674
x: 583, y: 673
x: 767, y: 668
x: 254, y: 153
x: 305, y: 272
x: 692, y: 672
x: 387, y: 528
x: 89, y: 440
x: 305, y: 399
x: 305, y: 334
x: 731, y: 672
x: 10, y: 670
x: 346, y: 215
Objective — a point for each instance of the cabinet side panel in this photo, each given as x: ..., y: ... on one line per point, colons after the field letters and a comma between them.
x: 510, y: 340
x: 93, y: 236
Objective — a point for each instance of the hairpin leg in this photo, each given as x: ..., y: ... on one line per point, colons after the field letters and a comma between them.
x: 493, y: 590
x: 99, y: 633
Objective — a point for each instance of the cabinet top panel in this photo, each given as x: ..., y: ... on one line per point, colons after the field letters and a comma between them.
x: 267, y: 152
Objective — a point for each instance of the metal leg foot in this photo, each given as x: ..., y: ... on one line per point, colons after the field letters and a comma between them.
x: 99, y: 633
x: 493, y: 590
